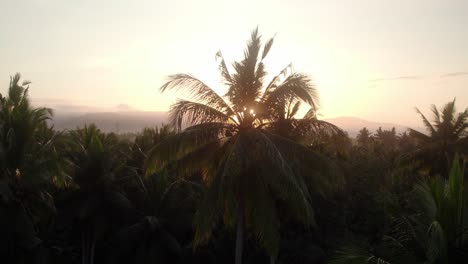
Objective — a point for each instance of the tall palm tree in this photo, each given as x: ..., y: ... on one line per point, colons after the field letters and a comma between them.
x: 21, y: 124
x: 29, y: 165
x: 247, y: 170
x: 448, y: 135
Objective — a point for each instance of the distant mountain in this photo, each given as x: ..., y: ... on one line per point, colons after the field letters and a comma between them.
x: 134, y: 121
x: 119, y: 122
x: 352, y: 125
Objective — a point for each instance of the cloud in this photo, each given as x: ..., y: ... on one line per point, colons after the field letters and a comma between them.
x: 453, y: 74
x: 405, y: 77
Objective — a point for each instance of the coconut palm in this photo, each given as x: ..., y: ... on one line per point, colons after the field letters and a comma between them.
x: 364, y: 137
x: 29, y: 165
x: 96, y: 159
x: 386, y: 138
x: 448, y: 135
x: 96, y: 156
x: 22, y: 128
x: 247, y: 170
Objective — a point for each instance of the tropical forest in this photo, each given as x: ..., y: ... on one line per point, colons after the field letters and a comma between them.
x: 247, y: 172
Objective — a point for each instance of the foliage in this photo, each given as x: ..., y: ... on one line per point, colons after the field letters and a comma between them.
x: 29, y: 166
x: 448, y: 135
x: 433, y: 231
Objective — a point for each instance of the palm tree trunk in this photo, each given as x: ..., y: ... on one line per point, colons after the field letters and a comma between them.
x: 88, y: 244
x: 272, y: 260
x: 93, y: 246
x: 239, y: 234
x: 83, y: 248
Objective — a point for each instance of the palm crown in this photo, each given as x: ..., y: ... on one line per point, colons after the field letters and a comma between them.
x: 25, y: 137
x: 448, y: 135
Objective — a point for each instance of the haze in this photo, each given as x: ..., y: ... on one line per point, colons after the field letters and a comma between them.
x: 371, y: 59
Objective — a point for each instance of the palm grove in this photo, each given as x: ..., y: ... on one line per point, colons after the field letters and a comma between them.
x: 235, y: 177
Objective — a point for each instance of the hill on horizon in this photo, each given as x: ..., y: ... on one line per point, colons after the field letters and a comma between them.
x: 118, y: 122
x: 135, y: 121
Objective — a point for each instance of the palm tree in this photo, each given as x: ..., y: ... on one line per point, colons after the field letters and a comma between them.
x: 95, y: 156
x: 29, y: 165
x: 448, y: 135
x: 96, y: 160
x: 364, y: 137
x: 388, y: 138
x: 21, y: 123
x: 247, y: 170
x: 143, y: 143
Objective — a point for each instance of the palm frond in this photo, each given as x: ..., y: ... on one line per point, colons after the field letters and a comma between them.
x: 318, y: 173
x: 455, y: 194
x: 460, y: 125
x: 208, y: 213
x: 275, y: 81
x: 16, y: 92
x: 354, y: 254
x: 437, y: 247
x: 223, y: 69
x: 267, y: 47
x: 448, y: 113
x: 426, y: 122
x: 188, y: 113
x: 253, y: 49
x: 436, y: 113
x: 313, y: 126
x: 248, y: 75
x: 426, y: 200
x: 197, y: 160
x: 197, y: 90
x: 310, y: 114
x: 418, y: 135
x: 293, y: 111
x: 297, y: 86
x: 176, y: 146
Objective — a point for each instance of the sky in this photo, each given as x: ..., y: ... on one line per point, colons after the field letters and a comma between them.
x: 371, y: 59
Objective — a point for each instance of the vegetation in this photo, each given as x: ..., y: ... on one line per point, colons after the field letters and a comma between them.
x: 447, y: 136
x: 237, y: 176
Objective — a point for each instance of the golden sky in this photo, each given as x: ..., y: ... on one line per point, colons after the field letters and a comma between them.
x: 371, y: 59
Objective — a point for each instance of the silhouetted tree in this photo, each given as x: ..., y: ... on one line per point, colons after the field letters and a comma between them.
x: 448, y: 135
x: 247, y: 170
x: 364, y: 138
x: 29, y: 166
